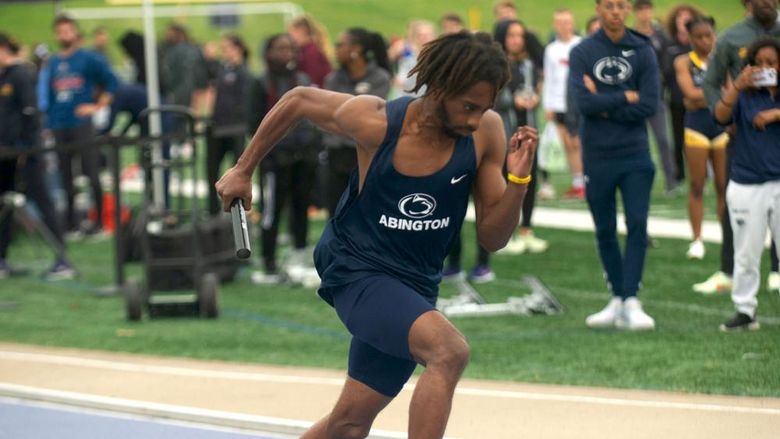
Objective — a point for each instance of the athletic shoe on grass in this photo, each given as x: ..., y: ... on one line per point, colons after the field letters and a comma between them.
x: 534, y: 244
x: 607, y: 317
x: 719, y: 282
x: 61, y: 270
x: 773, y: 282
x: 696, y: 250
x: 634, y: 317
x: 515, y: 246
x: 546, y: 191
x: 482, y: 274
x: 452, y: 273
x: 263, y: 278
x: 740, y: 321
x: 574, y: 193
x: 5, y: 271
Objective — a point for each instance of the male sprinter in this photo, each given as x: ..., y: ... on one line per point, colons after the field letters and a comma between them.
x: 381, y: 255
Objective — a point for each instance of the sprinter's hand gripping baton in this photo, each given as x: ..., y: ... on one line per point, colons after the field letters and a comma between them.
x: 240, y: 230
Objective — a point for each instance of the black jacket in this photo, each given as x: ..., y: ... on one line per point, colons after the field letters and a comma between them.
x: 19, y: 118
x: 302, y: 141
x: 231, y: 106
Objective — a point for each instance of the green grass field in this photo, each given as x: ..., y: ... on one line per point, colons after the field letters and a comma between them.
x: 285, y: 325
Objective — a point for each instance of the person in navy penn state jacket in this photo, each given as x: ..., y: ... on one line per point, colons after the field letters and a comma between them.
x: 380, y: 256
x: 614, y: 78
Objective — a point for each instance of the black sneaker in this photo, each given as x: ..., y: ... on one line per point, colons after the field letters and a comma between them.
x: 96, y: 233
x: 61, y: 270
x: 5, y: 270
x: 740, y: 321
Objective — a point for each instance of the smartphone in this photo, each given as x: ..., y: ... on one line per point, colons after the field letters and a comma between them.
x: 765, y: 78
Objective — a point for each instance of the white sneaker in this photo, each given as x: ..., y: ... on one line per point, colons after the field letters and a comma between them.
x: 262, y: 278
x: 546, y: 192
x: 696, y: 250
x: 634, y: 318
x: 515, y: 246
x: 773, y: 282
x: 302, y: 275
x: 299, y: 258
x: 719, y: 282
x: 534, y: 244
x: 608, y: 316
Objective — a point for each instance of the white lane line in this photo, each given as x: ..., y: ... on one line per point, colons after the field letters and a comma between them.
x: 618, y: 401
x: 293, y: 379
x: 166, y: 370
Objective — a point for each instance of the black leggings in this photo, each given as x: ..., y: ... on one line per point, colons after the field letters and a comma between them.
x: 89, y: 158
x: 529, y: 202
x: 483, y: 256
x: 281, y: 183
x: 35, y: 188
x: 677, y: 111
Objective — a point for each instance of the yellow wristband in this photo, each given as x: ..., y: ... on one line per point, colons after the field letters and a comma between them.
x: 518, y: 180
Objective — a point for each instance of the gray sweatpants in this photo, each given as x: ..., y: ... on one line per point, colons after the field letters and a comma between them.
x: 753, y: 209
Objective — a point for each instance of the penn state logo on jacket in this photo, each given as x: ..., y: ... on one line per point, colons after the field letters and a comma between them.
x: 613, y: 70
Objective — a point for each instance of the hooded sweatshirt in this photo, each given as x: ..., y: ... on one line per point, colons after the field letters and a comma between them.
x: 612, y: 127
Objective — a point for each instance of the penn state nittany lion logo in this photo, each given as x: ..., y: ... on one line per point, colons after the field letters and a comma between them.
x: 417, y: 206
x: 612, y: 70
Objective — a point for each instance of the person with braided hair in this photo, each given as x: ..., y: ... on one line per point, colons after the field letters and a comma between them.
x: 380, y: 256
x: 364, y: 69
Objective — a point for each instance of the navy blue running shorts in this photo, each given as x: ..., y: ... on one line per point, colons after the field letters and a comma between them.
x: 379, y: 312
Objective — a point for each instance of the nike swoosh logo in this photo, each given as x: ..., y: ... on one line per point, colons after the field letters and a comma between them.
x: 457, y: 180
x: 628, y: 53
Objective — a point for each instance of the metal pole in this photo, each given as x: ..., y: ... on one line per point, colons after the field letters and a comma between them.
x: 153, y: 97
x: 119, y: 251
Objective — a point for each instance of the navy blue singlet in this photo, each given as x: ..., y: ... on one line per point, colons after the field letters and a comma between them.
x: 397, y: 225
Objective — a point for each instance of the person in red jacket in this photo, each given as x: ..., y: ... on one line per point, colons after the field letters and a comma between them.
x: 313, y: 48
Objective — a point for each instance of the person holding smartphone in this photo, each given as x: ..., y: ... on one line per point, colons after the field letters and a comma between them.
x: 753, y: 195
x: 727, y: 61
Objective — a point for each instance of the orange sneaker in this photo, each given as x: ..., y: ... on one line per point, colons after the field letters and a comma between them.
x: 575, y: 193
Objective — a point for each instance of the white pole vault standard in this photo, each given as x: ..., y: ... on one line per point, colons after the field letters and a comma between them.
x: 153, y: 101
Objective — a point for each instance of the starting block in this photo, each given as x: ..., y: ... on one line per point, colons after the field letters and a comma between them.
x: 469, y: 303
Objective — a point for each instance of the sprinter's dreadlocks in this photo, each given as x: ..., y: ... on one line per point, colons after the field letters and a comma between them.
x: 451, y: 64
